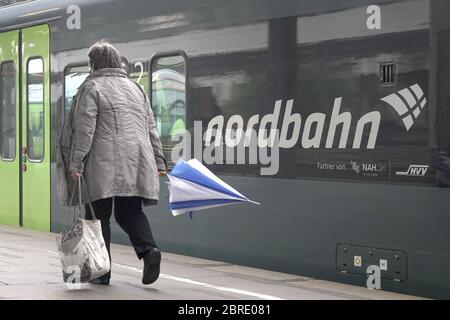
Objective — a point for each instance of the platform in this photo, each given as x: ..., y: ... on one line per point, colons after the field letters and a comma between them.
x: 30, y: 269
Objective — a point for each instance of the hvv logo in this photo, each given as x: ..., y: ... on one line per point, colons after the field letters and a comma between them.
x: 414, y: 170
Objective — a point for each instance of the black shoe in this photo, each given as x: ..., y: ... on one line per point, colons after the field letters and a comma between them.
x: 100, y: 281
x: 152, y: 262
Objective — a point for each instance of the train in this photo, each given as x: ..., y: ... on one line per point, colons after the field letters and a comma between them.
x: 357, y: 93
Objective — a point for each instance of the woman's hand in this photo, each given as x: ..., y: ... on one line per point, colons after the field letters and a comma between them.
x: 162, y: 173
x: 75, y: 175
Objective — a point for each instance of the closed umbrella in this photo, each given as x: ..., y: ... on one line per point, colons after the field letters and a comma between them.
x: 194, y: 187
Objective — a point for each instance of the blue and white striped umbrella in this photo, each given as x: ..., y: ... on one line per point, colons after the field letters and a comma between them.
x: 194, y: 187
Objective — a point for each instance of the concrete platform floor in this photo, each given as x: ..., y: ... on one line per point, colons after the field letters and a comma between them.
x: 30, y: 269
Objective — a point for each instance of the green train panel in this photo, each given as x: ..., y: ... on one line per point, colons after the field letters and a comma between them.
x: 25, y: 139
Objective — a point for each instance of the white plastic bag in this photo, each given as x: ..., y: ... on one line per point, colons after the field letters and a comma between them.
x: 81, y: 248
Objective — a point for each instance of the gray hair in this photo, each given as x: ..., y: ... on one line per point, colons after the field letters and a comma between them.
x: 103, y: 55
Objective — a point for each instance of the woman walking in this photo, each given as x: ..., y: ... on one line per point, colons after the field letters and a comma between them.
x: 116, y: 148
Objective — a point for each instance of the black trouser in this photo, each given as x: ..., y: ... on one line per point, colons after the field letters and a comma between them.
x: 130, y: 217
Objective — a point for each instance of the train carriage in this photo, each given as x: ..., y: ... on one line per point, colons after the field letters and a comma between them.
x: 357, y: 93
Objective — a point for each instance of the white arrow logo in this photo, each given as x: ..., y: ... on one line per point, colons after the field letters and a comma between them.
x: 408, y: 103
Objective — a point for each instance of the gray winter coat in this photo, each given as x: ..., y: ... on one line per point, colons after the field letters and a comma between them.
x: 110, y: 137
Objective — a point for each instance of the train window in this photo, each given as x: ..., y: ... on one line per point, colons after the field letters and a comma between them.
x: 168, y: 97
x: 73, y: 78
x: 8, y: 110
x: 35, y: 109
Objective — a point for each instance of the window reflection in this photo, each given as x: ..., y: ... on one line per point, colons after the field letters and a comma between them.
x: 169, y: 99
x: 35, y: 109
x: 8, y: 110
x: 74, y: 77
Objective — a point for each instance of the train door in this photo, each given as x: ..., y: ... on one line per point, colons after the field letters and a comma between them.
x: 27, y: 182
x: 36, y: 128
x: 9, y: 128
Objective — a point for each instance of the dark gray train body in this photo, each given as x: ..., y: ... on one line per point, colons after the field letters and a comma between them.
x: 242, y: 57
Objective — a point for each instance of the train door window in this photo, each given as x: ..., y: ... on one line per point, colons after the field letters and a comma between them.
x: 35, y: 109
x: 168, y: 97
x: 73, y: 78
x: 8, y: 110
